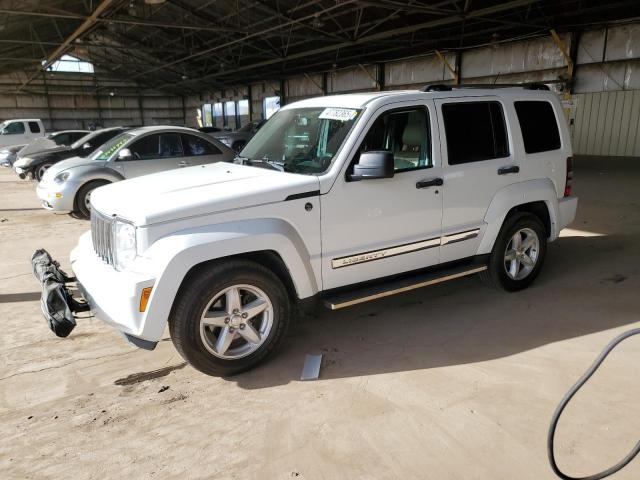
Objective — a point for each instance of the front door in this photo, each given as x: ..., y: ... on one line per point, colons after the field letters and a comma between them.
x: 376, y: 228
x: 154, y: 153
x: 479, y: 160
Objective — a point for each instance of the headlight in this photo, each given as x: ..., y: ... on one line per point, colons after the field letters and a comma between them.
x: 60, y: 178
x: 22, y: 162
x: 125, y: 243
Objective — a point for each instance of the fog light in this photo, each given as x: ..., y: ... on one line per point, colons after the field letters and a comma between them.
x: 144, y: 298
x: 58, y: 195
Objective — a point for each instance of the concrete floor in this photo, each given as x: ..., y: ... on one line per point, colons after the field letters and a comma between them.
x: 449, y: 382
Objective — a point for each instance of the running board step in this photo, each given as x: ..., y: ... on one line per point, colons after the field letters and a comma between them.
x: 366, y: 294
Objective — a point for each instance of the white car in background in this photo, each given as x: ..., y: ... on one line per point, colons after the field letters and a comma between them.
x: 20, y: 131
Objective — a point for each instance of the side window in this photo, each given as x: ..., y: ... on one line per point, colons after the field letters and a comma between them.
x: 195, y: 146
x: 406, y: 134
x: 170, y: 145
x: 538, y: 125
x: 61, y: 139
x: 34, y: 127
x: 475, y: 131
x: 14, y: 128
x: 146, y: 148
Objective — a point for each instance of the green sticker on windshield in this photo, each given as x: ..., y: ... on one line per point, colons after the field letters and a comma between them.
x: 106, y: 154
x: 341, y: 114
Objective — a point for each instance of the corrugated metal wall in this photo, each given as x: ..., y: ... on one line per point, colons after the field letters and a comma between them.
x: 607, y: 123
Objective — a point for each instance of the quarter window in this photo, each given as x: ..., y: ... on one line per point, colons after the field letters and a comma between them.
x: 34, y: 127
x: 196, y: 146
x: 538, y: 125
x: 405, y: 133
x: 475, y: 131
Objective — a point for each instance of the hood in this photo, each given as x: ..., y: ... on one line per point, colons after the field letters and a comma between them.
x: 198, y: 190
x: 72, y: 162
x: 52, y: 154
x: 38, y: 145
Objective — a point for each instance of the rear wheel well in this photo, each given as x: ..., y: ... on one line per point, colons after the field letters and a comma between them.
x: 267, y: 258
x: 539, y: 209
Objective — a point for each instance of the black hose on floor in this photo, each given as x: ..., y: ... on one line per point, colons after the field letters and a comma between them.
x: 572, y: 391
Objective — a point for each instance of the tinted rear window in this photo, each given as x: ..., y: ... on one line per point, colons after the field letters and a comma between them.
x: 475, y: 131
x: 34, y: 127
x: 538, y: 125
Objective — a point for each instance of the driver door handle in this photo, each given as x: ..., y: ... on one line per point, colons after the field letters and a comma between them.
x: 510, y: 169
x: 183, y: 164
x: 430, y: 182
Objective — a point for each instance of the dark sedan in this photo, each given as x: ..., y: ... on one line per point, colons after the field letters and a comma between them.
x: 34, y: 166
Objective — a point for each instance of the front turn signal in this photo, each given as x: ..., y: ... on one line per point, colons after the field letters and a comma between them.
x: 144, y: 298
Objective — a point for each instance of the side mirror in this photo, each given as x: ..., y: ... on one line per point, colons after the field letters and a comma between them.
x: 125, y: 154
x: 374, y: 164
x: 86, y: 146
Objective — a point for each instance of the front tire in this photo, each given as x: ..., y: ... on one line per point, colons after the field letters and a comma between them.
x: 83, y: 198
x: 40, y: 170
x: 518, y: 253
x: 229, y: 317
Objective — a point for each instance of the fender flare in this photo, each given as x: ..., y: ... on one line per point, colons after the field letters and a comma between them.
x: 176, y: 254
x: 538, y: 190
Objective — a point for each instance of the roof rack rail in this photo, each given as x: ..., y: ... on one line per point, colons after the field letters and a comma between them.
x: 441, y: 87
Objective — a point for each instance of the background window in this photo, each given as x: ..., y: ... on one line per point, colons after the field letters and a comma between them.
x: 243, y: 112
x: 270, y: 105
x: 538, y: 125
x: 195, y: 146
x: 230, y: 115
x: 475, y: 131
x: 207, y: 115
x: 218, y: 117
x: 34, y: 127
x: 403, y: 133
x: 14, y: 128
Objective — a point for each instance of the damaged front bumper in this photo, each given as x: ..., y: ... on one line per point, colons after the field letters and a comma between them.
x: 58, y: 305
x: 99, y: 288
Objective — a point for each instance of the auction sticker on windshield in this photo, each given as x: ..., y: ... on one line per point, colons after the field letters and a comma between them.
x: 342, y: 114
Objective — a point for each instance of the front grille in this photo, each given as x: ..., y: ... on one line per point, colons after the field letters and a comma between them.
x: 102, y: 236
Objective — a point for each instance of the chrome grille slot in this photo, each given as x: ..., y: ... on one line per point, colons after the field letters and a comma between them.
x: 102, y: 236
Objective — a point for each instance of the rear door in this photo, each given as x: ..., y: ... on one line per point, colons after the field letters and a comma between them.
x: 478, y: 160
x: 153, y: 153
x: 198, y: 151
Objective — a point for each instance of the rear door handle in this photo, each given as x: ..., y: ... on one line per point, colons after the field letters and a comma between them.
x: 431, y: 182
x: 183, y: 164
x: 511, y: 169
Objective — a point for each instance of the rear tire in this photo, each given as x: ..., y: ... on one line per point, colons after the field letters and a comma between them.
x: 210, y: 336
x: 518, y: 253
x: 82, y: 202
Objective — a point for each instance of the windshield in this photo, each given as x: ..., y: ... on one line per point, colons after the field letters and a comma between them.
x: 108, y: 149
x: 81, y: 141
x: 301, y: 140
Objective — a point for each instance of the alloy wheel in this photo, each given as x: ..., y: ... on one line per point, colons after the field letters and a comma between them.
x: 521, y: 254
x: 236, y: 322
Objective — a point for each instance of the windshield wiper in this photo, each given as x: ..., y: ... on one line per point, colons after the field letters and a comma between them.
x: 265, y: 161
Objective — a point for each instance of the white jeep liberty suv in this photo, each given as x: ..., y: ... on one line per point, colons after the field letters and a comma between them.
x: 344, y: 199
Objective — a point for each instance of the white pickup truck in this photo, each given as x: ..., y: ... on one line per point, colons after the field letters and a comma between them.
x: 20, y: 131
x: 342, y: 199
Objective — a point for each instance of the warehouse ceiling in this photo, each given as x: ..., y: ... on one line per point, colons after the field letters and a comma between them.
x: 195, y: 45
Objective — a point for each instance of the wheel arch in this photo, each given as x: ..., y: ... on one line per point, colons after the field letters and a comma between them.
x: 537, y: 197
x: 178, y: 256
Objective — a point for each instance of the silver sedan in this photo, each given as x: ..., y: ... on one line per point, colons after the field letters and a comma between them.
x: 67, y: 185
